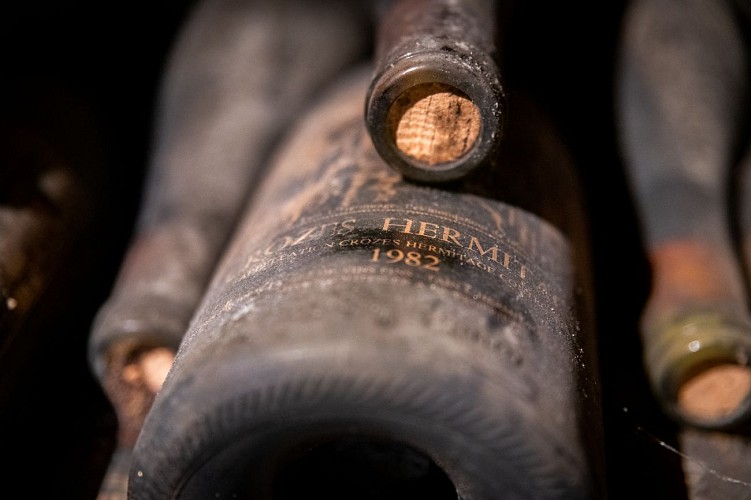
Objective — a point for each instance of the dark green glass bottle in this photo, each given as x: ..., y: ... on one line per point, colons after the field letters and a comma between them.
x: 367, y: 337
x: 682, y: 85
x: 238, y: 73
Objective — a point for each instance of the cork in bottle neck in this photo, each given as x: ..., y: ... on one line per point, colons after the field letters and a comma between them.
x: 434, y: 123
x: 716, y: 392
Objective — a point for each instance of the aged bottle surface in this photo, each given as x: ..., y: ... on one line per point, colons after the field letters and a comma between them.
x: 434, y: 109
x: 366, y: 337
x: 683, y: 72
x: 238, y: 72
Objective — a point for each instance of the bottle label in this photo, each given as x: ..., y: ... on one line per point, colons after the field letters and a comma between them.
x: 352, y: 218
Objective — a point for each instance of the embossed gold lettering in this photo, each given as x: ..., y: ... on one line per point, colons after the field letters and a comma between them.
x: 450, y: 235
x: 306, y: 235
x: 275, y: 246
x: 347, y: 227
x: 311, y: 234
x: 428, y: 229
x: 406, y: 228
x: 485, y: 249
x: 474, y: 243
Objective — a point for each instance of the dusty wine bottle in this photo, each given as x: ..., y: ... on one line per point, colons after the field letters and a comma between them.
x: 239, y: 71
x: 434, y: 109
x: 367, y: 337
x: 682, y: 78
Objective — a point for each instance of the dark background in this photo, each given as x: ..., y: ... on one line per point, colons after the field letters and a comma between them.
x: 58, y: 429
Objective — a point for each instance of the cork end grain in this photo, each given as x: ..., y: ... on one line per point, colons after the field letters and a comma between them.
x: 131, y: 382
x: 715, y: 393
x: 434, y: 124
